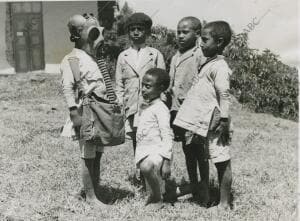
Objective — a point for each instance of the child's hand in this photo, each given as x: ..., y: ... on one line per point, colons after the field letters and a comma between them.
x: 75, y: 117
x: 166, y: 169
x: 223, y: 130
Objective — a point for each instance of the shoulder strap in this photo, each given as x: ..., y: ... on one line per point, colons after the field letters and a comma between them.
x: 74, y: 64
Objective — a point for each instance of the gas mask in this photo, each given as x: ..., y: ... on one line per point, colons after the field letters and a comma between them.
x: 86, y: 33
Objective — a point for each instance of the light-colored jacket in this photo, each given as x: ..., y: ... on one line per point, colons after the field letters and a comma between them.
x: 184, y: 67
x: 91, y: 77
x: 154, y: 134
x: 210, y: 89
x: 131, y: 67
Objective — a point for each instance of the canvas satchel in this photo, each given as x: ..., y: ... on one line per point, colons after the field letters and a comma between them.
x: 102, y: 120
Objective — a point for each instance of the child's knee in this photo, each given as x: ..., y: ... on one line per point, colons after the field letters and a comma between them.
x: 146, y: 166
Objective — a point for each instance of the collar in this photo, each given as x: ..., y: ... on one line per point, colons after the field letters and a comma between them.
x: 80, y: 52
x: 131, y: 50
x: 145, y: 104
x: 181, y: 57
x: 142, y: 46
x: 192, y: 50
x: 215, y: 58
x: 210, y: 60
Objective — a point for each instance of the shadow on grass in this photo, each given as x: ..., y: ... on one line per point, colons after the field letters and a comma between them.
x: 214, y: 193
x: 135, y: 181
x: 110, y: 195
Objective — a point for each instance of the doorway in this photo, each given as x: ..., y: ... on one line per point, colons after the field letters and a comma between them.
x: 28, y: 37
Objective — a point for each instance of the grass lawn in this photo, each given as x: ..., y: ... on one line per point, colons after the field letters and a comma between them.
x: 40, y: 170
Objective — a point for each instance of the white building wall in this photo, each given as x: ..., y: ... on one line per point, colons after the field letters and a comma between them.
x: 56, y: 35
x: 3, y: 62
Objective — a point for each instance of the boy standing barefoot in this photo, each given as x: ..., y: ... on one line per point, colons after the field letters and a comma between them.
x: 184, y: 67
x: 131, y: 67
x: 154, y: 135
x: 205, y: 109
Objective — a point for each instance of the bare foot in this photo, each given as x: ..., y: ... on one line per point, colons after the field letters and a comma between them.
x: 80, y: 195
x: 220, y: 208
x: 205, y: 196
x: 224, y: 206
x: 155, y: 206
x: 170, y: 195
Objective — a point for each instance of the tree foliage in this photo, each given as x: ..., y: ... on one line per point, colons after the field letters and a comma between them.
x: 261, y: 80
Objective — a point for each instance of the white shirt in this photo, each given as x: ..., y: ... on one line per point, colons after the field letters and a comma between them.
x: 210, y: 89
x: 154, y: 134
x: 91, y: 77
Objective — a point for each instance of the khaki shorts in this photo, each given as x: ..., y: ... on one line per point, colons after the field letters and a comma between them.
x: 88, y: 149
x: 157, y: 160
x: 217, y: 153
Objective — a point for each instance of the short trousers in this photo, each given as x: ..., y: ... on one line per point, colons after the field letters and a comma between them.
x: 217, y: 153
x: 157, y: 160
x: 88, y: 149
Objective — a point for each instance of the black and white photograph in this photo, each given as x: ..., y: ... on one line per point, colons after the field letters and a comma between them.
x: 149, y: 110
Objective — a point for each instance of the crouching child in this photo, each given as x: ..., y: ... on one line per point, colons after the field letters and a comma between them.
x: 154, y: 135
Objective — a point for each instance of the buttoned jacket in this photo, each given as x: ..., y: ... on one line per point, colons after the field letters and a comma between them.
x: 184, y: 67
x: 129, y: 74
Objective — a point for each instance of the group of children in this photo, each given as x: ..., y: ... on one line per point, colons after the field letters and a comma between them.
x: 198, y: 83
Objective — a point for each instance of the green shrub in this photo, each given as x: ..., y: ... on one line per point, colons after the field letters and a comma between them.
x: 261, y: 80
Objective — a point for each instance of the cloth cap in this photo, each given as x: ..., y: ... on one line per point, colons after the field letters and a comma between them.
x: 139, y: 18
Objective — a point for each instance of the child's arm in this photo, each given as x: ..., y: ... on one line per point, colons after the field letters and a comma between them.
x: 222, y: 89
x: 166, y: 168
x: 69, y: 93
x: 171, y: 74
x: 166, y: 95
x: 119, y: 81
x: 160, y: 61
x: 163, y: 119
x: 68, y: 84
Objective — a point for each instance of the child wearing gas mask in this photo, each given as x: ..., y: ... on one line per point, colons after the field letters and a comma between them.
x: 81, y: 73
